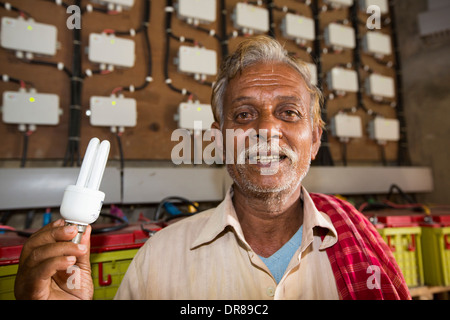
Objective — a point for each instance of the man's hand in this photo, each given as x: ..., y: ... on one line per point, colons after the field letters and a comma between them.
x: 45, y: 261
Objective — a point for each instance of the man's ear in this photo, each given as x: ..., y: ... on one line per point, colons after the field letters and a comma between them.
x: 215, y: 125
x: 316, y: 140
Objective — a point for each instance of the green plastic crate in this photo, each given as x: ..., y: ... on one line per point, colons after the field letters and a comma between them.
x: 436, y: 253
x: 113, y: 265
x: 7, y: 278
x: 405, y: 243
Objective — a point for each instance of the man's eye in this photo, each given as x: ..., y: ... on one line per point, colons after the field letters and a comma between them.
x: 291, y: 114
x: 243, y: 116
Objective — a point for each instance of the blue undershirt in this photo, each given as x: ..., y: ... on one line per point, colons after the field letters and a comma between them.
x: 278, y: 262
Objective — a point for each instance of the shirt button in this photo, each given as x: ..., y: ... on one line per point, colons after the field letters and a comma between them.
x: 270, y: 291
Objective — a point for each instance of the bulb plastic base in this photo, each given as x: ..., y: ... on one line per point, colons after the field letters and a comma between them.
x: 81, y: 205
x: 81, y: 229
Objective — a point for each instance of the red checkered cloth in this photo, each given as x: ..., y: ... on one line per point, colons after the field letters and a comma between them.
x: 359, y: 255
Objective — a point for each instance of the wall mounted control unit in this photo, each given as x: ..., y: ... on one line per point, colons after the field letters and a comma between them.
x: 377, y: 44
x: 340, y: 79
x: 122, y: 3
x: 251, y: 19
x: 339, y: 3
x: 297, y: 27
x: 113, y: 112
x: 382, y: 4
x: 196, y: 60
x: 340, y: 36
x: 111, y: 50
x: 201, y: 11
x: 189, y: 113
x: 382, y: 129
x: 380, y: 86
x: 346, y: 126
x: 30, y: 108
x: 28, y: 36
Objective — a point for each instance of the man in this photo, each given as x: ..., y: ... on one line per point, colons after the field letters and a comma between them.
x: 269, y: 238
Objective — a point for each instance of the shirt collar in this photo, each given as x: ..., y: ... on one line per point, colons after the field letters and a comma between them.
x: 225, y: 216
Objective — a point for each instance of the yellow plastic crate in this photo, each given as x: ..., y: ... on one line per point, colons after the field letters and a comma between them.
x: 436, y: 254
x: 405, y: 243
x: 7, y: 278
x: 108, y: 269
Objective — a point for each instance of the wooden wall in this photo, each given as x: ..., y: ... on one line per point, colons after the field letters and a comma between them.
x: 157, y: 104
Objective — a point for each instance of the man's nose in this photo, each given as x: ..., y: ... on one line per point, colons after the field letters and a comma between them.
x: 267, y: 129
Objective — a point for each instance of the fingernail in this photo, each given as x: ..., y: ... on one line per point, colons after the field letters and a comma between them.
x: 82, y: 247
x: 71, y: 259
x: 70, y: 229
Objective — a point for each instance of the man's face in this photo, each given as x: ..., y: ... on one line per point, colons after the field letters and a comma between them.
x: 270, y: 103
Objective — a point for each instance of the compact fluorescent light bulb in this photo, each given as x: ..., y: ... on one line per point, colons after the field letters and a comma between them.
x: 83, y: 201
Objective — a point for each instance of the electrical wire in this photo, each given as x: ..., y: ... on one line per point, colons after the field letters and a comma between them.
x: 23, y: 159
x: 72, y: 155
x: 123, y: 224
x: 122, y: 162
x: 403, y: 157
x: 223, y: 29
x: 383, y: 154
x: 144, y: 28
x: 406, y: 197
x: 323, y: 157
x: 344, y: 152
x: 22, y: 83
x: 172, y: 199
x: 8, y: 7
x: 50, y: 64
x: 169, y: 35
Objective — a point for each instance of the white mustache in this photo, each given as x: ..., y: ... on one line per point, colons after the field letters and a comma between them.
x: 266, y: 152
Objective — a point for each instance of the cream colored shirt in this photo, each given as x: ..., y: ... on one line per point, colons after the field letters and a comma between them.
x: 206, y: 257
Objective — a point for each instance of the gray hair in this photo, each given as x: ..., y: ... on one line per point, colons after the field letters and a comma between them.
x: 261, y: 49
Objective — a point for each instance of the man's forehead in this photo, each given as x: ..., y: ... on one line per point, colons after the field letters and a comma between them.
x: 278, y: 78
x: 268, y: 69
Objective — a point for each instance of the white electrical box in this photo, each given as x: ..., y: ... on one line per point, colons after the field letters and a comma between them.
x: 382, y: 4
x: 340, y: 79
x: 295, y: 26
x: 113, y: 112
x: 346, y: 126
x: 377, y: 43
x: 109, y: 49
x: 202, y: 10
x: 124, y: 3
x: 251, y: 18
x: 189, y: 113
x: 380, y: 86
x: 340, y: 36
x: 339, y: 3
x: 382, y: 129
x: 196, y: 60
x: 28, y: 36
x: 30, y: 108
x: 313, y: 71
